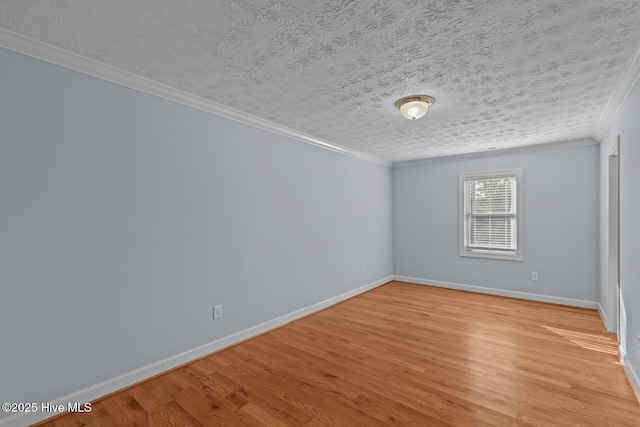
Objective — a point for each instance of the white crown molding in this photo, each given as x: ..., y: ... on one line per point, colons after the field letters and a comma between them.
x: 114, y: 384
x: 500, y: 152
x: 500, y: 292
x: 622, y: 91
x: 63, y: 58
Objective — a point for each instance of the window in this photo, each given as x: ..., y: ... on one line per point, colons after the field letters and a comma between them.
x: 491, y: 214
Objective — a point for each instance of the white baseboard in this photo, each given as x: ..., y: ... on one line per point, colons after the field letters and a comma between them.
x: 500, y: 292
x: 634, y: 378
x: 93, y: 392
x: 603, y: 315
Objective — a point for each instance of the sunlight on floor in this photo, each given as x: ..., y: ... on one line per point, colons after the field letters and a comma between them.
x: 587, y: 341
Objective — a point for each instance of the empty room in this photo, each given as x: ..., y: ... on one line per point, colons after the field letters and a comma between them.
x: 323, y: 213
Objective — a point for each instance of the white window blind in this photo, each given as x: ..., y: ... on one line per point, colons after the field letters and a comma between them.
x: 489, y: 215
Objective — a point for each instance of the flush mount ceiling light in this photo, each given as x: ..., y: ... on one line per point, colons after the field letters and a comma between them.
x: 414, y: 106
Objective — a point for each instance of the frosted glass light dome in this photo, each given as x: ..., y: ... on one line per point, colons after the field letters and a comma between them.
x: 415, y: 106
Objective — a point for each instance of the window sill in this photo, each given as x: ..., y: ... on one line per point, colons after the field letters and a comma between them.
x: 491, y: 255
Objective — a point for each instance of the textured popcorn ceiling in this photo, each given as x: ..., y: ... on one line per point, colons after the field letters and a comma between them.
x: 504, y: 73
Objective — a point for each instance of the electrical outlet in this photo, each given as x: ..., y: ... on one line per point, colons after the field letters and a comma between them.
x: 364, y: 270
x: 217, y: 311
x: 534, y: 275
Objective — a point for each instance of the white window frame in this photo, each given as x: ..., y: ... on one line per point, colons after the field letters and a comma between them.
x: 463, y: 249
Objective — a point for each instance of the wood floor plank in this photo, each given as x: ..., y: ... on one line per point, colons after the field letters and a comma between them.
x: 401, y: 354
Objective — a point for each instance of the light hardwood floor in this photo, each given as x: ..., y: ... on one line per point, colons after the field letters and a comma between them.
x: 401, y: 354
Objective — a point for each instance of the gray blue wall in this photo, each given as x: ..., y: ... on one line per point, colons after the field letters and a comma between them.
x: 627, y: 125
x: 560, y: 224
x: 124, y: 218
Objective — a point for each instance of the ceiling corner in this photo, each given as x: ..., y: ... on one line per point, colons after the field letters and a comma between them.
x: 627, y: 82
x: 54, y: 55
